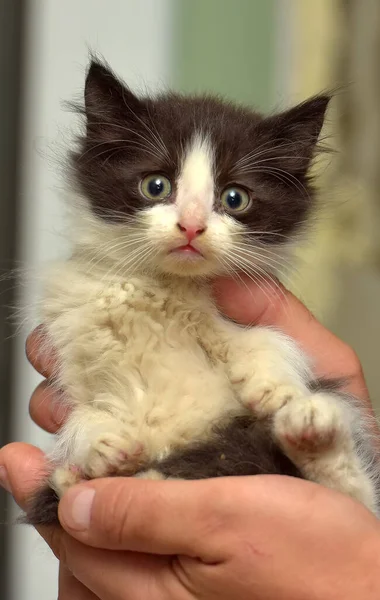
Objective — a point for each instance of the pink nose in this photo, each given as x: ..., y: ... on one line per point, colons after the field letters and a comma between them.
x: 190, y: 231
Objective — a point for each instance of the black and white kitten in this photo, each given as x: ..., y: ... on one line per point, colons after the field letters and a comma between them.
x: 173, y: 191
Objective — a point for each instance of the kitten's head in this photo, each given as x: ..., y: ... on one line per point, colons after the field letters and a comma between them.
x: 193, y: 186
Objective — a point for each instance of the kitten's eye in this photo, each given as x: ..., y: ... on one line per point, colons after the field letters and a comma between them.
x: 156, y: 187
x: 235, y: 200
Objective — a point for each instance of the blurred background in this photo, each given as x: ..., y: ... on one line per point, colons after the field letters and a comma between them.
x: 266, y: 53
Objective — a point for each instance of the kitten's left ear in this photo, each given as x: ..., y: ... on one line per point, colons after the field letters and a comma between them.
x: 295, y: 133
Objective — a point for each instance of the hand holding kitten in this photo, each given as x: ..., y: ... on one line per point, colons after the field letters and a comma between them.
x: 260, y: 516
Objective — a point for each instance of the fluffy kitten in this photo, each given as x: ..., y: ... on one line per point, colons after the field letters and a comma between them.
x: 172, y: 192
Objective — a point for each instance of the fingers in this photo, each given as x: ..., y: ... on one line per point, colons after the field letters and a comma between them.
x: 123, y: 574
x: 70, y: 588
x: 46, y: 409
x: 249, y: 303
x: 86, y: 573
x: 25, y: 467
x: 39, y: 352
x: 150, y: 516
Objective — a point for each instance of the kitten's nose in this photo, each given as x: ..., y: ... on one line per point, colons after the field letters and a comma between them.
x: 191, y: 231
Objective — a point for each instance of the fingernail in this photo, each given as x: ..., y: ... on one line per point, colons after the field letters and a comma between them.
x: 4, y: 481
x: 76, y: 508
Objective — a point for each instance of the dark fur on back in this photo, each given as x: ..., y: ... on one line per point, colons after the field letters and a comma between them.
x: 128, y: 137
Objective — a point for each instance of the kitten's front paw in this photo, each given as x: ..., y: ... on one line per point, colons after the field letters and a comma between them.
x: 262, y: 393
x: 310, y: 424
x: 112, y: 454
x: 262, y: 387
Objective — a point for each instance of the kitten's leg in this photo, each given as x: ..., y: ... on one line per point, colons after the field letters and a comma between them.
x: 92, y: 444
x: 266, y: 369
x: 317, y: 433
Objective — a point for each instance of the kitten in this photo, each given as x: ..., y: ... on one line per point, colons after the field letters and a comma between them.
x: 173, y: 191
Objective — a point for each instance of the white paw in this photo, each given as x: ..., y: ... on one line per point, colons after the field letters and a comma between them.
x: 263, y: 395
x: 112, y: 454
x: 310, y: 424
x: 64, y: 478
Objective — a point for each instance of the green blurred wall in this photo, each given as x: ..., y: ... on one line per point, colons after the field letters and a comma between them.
x: 226, y: 46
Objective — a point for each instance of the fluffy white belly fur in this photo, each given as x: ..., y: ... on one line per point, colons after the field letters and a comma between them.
x: 132, y: 352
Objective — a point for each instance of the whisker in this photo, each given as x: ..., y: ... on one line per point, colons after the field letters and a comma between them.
x: 271, y: 263
x: 256, y: 279
x: 156, y: 136
x: 250, y: 156
x: 251, y: 233
x: 284, y: 177
x: 258, y: 251
x: 241, y: 260
x: 147, y: 141
x: 105, y: 251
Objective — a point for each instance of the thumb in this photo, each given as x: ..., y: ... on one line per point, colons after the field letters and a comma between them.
x: 157, y: 517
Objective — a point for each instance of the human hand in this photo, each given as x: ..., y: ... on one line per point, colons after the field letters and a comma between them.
x: 331, y: 355
x: 265, y: 537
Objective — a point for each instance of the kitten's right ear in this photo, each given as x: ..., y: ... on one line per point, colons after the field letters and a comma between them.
x: 106, y: 97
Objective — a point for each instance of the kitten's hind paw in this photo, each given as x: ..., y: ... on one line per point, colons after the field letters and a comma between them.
x: 315, y: 433
x: 312, y: 424
x: 65, y: 477
x: 113, y: 454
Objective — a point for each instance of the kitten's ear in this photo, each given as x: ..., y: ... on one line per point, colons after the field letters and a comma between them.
x: 108, y: 98
x: 295, y: 133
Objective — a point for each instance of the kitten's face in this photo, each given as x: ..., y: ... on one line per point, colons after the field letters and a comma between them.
x: 193, y: 186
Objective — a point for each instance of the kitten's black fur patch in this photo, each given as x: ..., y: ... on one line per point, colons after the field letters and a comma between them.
x: 242, y: 447
x: 128, y: 137
x: 43, y: 508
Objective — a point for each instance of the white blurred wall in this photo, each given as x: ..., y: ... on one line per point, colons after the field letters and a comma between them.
x: 135, y: 37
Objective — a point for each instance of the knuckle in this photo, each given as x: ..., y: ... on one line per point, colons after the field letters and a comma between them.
x: 54, y: 538
x: 218, y: 507
x: 351, y: 362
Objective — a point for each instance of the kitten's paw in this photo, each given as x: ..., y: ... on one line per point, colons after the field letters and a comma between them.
x: 65, y: 477
x: 112, y: 454
x: 311, y: 424
x: 261, y: 389
x: 264, y: 397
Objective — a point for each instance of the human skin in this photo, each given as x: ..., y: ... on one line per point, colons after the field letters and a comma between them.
x: 262, y: 538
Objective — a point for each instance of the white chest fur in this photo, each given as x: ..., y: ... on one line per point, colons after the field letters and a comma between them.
x: 130, y: 352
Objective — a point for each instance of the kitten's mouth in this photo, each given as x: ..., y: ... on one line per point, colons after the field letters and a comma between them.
x: 186, y: 250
